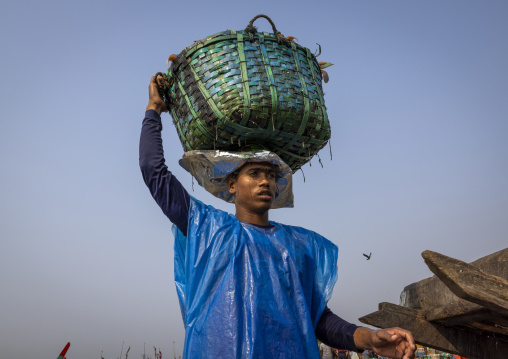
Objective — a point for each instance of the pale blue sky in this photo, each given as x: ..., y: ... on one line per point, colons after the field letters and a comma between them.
x: 418, y: 106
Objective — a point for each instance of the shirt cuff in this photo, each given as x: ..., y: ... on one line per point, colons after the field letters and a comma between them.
x: 152, y: 114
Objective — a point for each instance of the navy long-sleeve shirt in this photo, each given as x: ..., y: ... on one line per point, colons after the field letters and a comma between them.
x: 174, y: 200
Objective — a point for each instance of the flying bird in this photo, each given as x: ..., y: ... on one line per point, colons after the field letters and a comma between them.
x: 367, y: 256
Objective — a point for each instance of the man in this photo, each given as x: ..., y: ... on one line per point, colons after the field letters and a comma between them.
x: 248, y: 287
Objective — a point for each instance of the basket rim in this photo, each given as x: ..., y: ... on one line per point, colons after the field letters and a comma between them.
x: 229, y: 35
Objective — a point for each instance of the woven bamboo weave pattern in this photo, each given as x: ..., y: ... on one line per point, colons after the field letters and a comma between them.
x: 228, y: 91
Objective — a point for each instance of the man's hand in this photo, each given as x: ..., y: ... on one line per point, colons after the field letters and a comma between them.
x: 155, y: 101
x: 394, y: 343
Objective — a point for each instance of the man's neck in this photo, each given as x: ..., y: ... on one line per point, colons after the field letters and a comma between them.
x: 260, y: 219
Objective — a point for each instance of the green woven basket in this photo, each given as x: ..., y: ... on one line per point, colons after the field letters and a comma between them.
x: 236, y: 89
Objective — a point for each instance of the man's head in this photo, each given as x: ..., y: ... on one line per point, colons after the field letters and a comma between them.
x: 217, y: 170
x: 254, y: 186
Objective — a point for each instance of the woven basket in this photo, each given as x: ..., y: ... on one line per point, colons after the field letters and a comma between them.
x: 236, y: 89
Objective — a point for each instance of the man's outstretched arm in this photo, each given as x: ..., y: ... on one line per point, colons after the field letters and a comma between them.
x: 167, y: 191
x: 337, y: 333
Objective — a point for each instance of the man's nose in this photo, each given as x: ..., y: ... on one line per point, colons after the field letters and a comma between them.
x: 264, y: 179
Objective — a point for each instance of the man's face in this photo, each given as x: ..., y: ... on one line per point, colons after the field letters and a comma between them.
x: 254, y: 187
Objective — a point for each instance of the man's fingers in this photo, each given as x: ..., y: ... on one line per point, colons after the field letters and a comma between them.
x: 152, y: 87
x: 406, y: 339
x: 157, y: 80
x: 394, y: 342
x: 155, y: 101
x: 405, y: 335
x: 387, y: 335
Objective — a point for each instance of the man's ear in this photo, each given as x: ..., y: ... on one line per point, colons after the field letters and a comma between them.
x: 232, y: 185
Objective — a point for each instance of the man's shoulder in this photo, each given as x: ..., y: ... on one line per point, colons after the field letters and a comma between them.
x: 307, y: 234
x: 299, y: 230
x: 202, y: 206
x: 200, y: 209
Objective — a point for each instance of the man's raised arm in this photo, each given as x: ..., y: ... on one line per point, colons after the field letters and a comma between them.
x: 167, y: 191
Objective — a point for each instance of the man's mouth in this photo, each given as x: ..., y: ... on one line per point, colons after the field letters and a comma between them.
x: 265, y: 194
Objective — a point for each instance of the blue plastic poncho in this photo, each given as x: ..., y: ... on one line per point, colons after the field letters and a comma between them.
x: 250, y: 292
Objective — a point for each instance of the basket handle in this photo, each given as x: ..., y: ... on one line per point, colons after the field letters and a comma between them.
x: 251, y: 30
